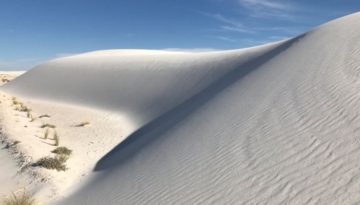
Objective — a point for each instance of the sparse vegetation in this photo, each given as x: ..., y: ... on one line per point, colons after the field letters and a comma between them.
x: 15, y: 101
x: 47, y: 125
x: 32, y: 118
x: 23, y: 108
x: 46, y: 115
x: 46, y: 134
x: 11, y: 144
x: 56, y: 139
x: 63, y: 157
x: 5, y: 80
x: 62, y: 151
x: 54, y: 134
x: 19, y: 106
x: 20, y: 198
x: 15, y: 143
x: 82, y: 124
x: 57, y: 163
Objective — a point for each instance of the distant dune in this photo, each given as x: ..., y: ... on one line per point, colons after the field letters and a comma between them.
x: 274, y: 124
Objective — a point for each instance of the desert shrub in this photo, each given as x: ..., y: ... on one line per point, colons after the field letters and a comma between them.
x: 5, y: 80
x: 15, y: 101
x: 15, y: 142
x: 63, y: 157
x: 62, y: 151
x: 57, y: 163
x: 23, y: 108
x: 21, y: 198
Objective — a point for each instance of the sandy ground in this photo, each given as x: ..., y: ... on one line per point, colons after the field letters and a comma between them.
x: 11, y: 159
x: 7, y: 172
x: 89, y: 143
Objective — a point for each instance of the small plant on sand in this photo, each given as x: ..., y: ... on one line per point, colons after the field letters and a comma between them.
x: 20, y: 198
x: 57, y: 163
x: 46, y: 134
x: 62, y: 151
x: 82, y: 124
x: 23, y: 108
x: 32, y: 118
x: 5, y: 80
x: 56, y: 139
x: 15, y: 143
x: 47, y: 125
x: 15, y: 101
x: 63, y: 157
x: 46, y: 115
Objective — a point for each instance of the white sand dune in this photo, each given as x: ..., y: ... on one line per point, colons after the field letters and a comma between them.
x: 276, y: 124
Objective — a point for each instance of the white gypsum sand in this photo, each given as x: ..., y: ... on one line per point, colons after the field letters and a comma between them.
x: 275, y: 124
x: 7, y: 172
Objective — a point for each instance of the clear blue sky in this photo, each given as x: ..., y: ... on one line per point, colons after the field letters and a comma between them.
x: 32, y: 31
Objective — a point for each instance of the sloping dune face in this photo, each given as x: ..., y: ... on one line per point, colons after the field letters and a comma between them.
x: 140, y: 83
x: 277, y: 124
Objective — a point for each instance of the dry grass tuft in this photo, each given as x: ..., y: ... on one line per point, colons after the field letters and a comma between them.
x: 62, y: 151
x: 46, y: 134
x: 57, y: 163
x: 82, y: 124
x: 63, y: 157
x: 15, y: 143
x: 32, y: 118
x: 23, y: 108
x: 28, y: 114
x: 47, y: 125
x: 56, y: 139
x: 5, y: 80
x: 20, y: 198
x: 19, y: 106
x: 15, y: 101
x: 46, y: 115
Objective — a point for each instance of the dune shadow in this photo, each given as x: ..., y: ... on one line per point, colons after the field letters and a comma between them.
x: 154, y: 129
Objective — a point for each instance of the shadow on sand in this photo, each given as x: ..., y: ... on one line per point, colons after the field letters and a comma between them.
x: 154, y: 129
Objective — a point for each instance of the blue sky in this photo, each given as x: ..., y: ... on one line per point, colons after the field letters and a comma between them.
x: 33, y: 31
